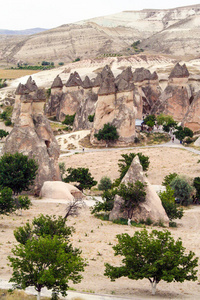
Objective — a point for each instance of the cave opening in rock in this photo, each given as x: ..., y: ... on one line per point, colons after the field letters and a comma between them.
x: 47, y: 143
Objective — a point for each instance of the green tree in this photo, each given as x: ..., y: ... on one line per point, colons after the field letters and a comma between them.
x: 181, y: 132
x: 82, y: 176
x: 7, y: 204
x: 105, y: 184
x: 69, y: 119
x: 3, y: 133
x: 155, y: 256
x: 91, y: 118
x: 108, y: 133
x: 150, y: 120
x: 168, y: 179
x: 127, y: 159
x: 45, y: 257
x: 107, y: 202
x: 183, y: 191
x: 133, y: 195
x: 167, y: 122
x: 196, y: 184
x: 173, y: 211
x: 17, y: 172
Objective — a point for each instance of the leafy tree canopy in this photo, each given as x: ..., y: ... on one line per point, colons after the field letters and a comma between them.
x: 17, y: 172
x: 150, y: 120
x: 105, y: 184
x: 108, y: 133
x: 45, y: 257
x: 132, y: 194
x: 169, y: 204
x: 155, y: 256
x: 81, y: 176
x: 168, y: 179
x: 3, y: 133
x: 181, y: 132
x: 183, y: 191
x: 69, y: 119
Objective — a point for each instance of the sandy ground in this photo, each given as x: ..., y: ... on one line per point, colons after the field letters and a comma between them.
x: 96, y: 237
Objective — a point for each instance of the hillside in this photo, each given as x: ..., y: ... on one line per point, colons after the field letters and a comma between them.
x: 171, y: 31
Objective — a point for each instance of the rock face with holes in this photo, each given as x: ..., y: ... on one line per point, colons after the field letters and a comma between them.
x: 192, y: 117
x: 151, y: 208
x: 32, y: 134
x: 175, y: 99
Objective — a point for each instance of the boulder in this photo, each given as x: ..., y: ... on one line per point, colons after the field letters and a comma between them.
x: 152, y: 207
x: 60, y: 190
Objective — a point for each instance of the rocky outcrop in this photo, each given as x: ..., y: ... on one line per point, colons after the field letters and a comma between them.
x: 53, y: 103
x: 192, y: 117
x: 32, y: 134
x: 60, y: 190
x: 176, y: 97
x: 152, y: 207
x: 72, y: 94
x: 115, y: 107
x: 146, y: 91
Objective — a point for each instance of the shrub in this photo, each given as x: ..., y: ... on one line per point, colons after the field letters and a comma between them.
x: 82, y: 176
x: 69, y: 119
x: 108, y: 133
x: 169, y: 204
x: 91, y: 118
x: 105, y: 184
x: 168, y: 179
x: 183, y: 191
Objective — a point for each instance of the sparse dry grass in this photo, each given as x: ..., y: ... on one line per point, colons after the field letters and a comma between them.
x: 13, y: 74
x: 17, y: 295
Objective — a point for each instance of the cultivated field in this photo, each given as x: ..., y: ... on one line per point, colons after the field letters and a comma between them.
x: 13, y: 74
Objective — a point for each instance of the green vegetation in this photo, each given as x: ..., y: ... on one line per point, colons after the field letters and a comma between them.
x: 105, y: 184
x: 135, y: 47
x: 183, y: 190
x: 77, y: 59
x: 9, y: 204
x: 17, y: 172
x: 155, y: 256
x: 168, y: 179
x: 168, y: 201
x: 2, y: 83
x: 81, y: 176
x: 167, y: 122
x: 133, y: 195
x: 108, y: 133
x: 150, y: 120
x: 126, y: 161
x: 6, y: 115
x: 62, y: 169
x: 181, y: 133
x: 69, y: 120
x: 3, y: 133
x: 45, y: 257
x: 196, y: 184
x: 45, y: 65
x: 91, y: 118
x: 107, y: 204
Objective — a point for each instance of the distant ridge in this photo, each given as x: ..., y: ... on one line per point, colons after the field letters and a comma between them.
x: 22, y: 32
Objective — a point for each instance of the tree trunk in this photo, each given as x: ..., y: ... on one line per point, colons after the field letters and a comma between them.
x: 38, y: 296
x: 153, y: 287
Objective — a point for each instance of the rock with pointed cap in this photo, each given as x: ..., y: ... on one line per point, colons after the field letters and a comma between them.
x: 179, y: 71
x: 108, y: 82
x: 57, y: 83
x: 141, y: 74
x: 87, y: 83
x: 74, y: 80
x: 151, y: 208
x: 124, y: 81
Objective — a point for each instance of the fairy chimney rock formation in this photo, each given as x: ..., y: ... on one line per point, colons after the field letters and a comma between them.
x: 179, y: 71
x: 108, y: 82
x: 151, y: 208
x: 32, y: 134
x: 57, y: 83
x: 71, y: 97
